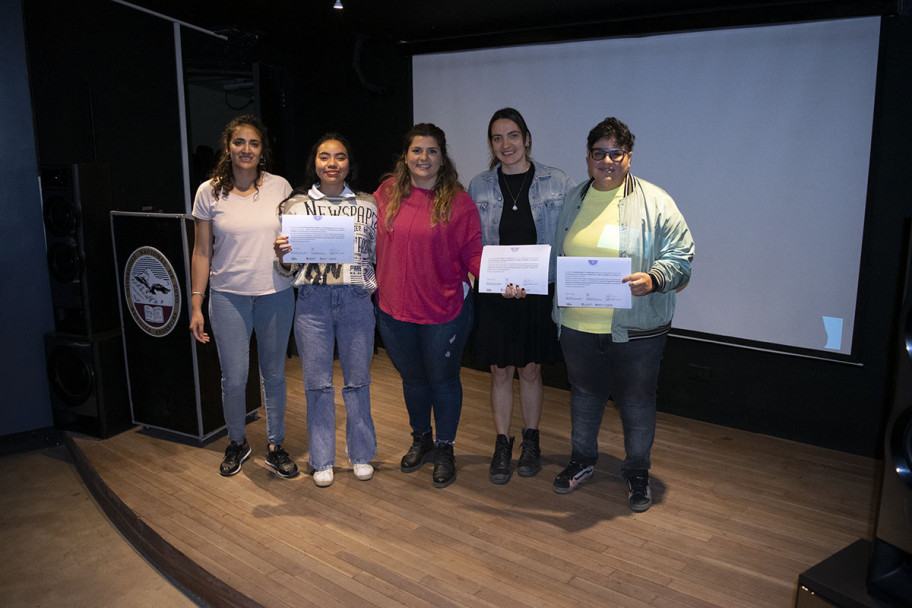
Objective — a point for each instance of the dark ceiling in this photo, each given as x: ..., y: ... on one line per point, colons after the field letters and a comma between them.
x: 430, y: 25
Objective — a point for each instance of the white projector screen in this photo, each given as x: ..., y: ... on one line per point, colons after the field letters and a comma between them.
x: 761, y: 135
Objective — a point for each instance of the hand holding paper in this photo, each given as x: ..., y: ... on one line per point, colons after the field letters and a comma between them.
x: 514, y: 266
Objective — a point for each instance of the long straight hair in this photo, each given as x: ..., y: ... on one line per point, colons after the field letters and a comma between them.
x: 445, y: 188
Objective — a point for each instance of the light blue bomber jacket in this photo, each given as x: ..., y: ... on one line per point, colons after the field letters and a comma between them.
x: 654, y: 235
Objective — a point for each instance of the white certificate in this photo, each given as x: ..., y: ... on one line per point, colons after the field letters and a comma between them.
x: 593, y: 282
x: 320, y: 238
x: 523, y: 265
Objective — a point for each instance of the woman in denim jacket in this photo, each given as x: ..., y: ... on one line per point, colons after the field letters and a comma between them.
x: 334, y: 308
x: 518, y: 201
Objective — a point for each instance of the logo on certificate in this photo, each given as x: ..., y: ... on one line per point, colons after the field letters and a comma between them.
x: 151, y: 291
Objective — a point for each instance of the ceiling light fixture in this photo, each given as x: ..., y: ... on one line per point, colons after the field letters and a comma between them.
x: 338, y: 4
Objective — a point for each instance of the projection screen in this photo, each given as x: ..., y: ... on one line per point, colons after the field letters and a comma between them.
x: 761, y: 135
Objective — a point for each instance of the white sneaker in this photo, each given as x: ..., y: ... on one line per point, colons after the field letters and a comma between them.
x: 323, y: 478
x: 363, y: 471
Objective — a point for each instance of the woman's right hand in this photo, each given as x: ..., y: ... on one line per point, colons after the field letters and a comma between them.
x: 197, y: 323
x: 281, y: 247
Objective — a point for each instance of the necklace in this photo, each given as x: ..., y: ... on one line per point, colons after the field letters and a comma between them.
x: 521, y: 186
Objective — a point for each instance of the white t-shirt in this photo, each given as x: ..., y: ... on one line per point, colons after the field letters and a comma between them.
x: 244, y: 230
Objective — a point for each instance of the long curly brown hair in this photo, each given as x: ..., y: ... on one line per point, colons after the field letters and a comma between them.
x: 222, y: 176
x: 445, y: 188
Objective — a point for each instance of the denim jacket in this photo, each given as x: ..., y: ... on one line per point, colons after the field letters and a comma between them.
x: 546, y: 195
x: 655, y: 237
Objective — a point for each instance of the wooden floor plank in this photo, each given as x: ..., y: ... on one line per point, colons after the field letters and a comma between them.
x: 737, y: 516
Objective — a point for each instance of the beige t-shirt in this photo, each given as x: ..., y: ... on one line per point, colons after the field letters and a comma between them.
x: 244, y: 230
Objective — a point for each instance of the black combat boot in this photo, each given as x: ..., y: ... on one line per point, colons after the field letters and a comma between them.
x: 418, y: 454
x: 500, y: 471
x: 444, y: 466
x: 530, y: 456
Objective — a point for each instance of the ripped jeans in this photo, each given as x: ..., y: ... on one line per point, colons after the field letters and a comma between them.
x: 327, y: 316
x: 428, y: 357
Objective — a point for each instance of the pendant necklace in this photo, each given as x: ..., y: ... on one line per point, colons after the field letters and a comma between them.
x: 521, y: 186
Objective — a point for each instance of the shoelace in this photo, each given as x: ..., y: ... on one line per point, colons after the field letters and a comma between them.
x: 639, y: 484
x: 280, y: 455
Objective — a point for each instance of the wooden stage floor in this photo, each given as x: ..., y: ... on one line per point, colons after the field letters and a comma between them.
x: 737, y: 516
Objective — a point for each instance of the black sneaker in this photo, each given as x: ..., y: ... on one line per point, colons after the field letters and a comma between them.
x: 444, y: 465
x: 235, y: 455
x: 500, y: 471
x: 575, y: 475
x: 530, y: 454
x: 639, y: 496
x: 279, y: 460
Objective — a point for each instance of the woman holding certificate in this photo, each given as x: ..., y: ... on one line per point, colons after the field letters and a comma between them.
x: 334, y: 309
x: 614, y: 353
x: 518, y: 201
x: 235, y: 226
x: 428, y: 242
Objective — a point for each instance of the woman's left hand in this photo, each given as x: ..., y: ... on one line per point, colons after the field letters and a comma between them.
x: 640, y: 283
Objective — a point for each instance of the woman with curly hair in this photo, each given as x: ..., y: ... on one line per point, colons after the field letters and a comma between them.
x: 235, y: 227
x: 428, y: 241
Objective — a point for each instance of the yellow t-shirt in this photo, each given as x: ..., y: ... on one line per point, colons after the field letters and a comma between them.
x: 595, y: 233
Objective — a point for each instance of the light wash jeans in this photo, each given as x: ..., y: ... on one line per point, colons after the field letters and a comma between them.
x: 234, y: 318
x: 627, y: 373
x: 428, y: 357
x: 327, y: 315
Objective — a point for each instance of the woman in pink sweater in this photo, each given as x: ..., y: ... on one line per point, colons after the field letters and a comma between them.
x: 428, y: 242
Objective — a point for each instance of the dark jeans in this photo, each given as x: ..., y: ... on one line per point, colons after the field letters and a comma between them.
x: 428, y: 357
x: 627, y: 373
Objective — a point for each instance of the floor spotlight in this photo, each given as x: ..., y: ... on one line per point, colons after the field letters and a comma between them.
x: 338, y: 4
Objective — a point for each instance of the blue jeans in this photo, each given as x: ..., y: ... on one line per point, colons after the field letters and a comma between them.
x: 627, y: 373
x: 234, y: 318
x: 327, y: 315
x: 428, y: 357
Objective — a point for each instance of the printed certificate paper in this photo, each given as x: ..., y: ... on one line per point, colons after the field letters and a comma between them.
x: 320, y: 238
x: 593, y: 282
x: 523, y: 265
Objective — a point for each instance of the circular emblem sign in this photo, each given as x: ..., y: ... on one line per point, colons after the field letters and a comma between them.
x: 152, y: 291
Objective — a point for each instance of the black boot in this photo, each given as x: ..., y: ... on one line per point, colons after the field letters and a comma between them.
x: 500, y: 471
x: 530, y: 457
x: 444, y: 466
x: 422, y: 446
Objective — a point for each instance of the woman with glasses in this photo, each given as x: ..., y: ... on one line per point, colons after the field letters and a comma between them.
x: 518, y: 201
x: 428, y: 242
x: 235, y: 226
x: 615, y: 352
x: 334, y: 311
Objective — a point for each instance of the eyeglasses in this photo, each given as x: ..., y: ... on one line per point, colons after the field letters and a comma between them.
x: 615, y: 154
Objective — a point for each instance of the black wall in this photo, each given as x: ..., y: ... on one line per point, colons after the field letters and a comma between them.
x: 104, y: 90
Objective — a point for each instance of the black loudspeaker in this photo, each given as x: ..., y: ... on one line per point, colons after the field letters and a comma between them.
x: 890, y: 568
x: 88, y: 383
x: 76, y: 200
